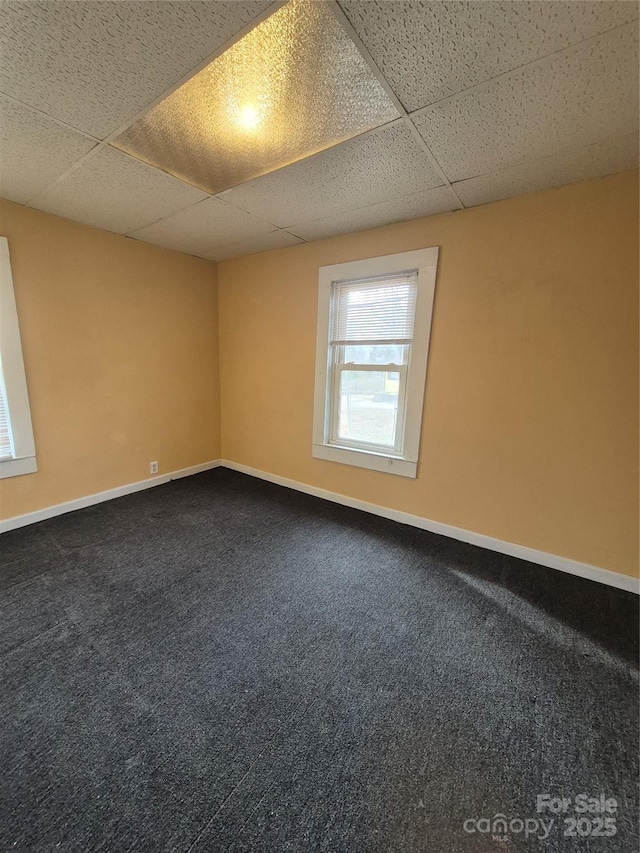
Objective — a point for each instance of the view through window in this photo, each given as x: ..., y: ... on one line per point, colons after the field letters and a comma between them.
x: 374, y: 320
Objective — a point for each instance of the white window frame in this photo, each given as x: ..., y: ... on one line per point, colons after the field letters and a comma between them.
x: 15, y: 381
x: 405, y: 460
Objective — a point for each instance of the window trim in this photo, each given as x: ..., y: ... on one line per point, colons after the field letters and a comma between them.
x: 425, y: 261
x: 15, y: 381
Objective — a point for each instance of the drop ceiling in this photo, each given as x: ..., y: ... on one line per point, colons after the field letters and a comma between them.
x: 226, y: 128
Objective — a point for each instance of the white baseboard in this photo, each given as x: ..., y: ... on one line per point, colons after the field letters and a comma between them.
x: 563, y: 564
x: 99, y: 497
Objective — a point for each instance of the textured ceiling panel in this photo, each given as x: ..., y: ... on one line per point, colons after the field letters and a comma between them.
x: 380, y: 165
x: 429, y: 51
x: 592, y: 161
x: 34, y: 151
x: 203, y: 228
x: 577, y: 98
x: 114, y: 192
x: 274, y: 240
x: 427, y: 203
x: 296, y: 84
x: 95, y: 65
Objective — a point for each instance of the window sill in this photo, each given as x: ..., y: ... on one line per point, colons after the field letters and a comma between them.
x: 366, y: 459
x: 17, y: 467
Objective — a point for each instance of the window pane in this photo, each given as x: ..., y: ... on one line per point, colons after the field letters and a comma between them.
x: 379, y: 309
x: 376, y: 354
x: 368, y: 406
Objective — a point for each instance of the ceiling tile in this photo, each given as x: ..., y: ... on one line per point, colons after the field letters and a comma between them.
x: 296, y: 84
x: 34, y: 151
x: 427, y: 203
x: 113, y: 191
x: 592, y: 161
x: 580, y: 97
x: 429, y: 51
x: 274, y: 240
x: 96, y: 64
x: 203, y: 228
x: 371, y: 168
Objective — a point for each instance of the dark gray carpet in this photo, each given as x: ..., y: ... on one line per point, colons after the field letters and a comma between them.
x: 220, y: 664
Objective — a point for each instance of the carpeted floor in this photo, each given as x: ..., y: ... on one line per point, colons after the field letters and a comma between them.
x: 220, y: 664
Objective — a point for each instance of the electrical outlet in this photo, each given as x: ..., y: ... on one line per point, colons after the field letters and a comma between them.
x: 153, y: 468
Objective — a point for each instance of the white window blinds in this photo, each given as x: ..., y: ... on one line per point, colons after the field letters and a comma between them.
x: 6, y: 445
x: 375, y: 310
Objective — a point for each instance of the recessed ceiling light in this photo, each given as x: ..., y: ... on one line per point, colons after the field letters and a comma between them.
x: 248, y: 116
x: 294, y: 85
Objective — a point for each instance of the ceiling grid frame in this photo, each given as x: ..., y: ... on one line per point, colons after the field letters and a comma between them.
x: 63, y: 124
x: 346, y: 23
x: 485, y: 84
x: 196, y: 69
x: 302, y: 78
x: 370, y: 132
x: 105, y: 141
x: 406, y: 118
x: 365, y: 170
x: 521, y: 118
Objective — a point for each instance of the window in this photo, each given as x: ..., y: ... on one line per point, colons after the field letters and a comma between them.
x: 374, y: 320
x: 17, y: 450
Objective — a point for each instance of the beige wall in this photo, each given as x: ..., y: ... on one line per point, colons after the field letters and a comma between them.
x: 121, y: 356
x: 530, y: 429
